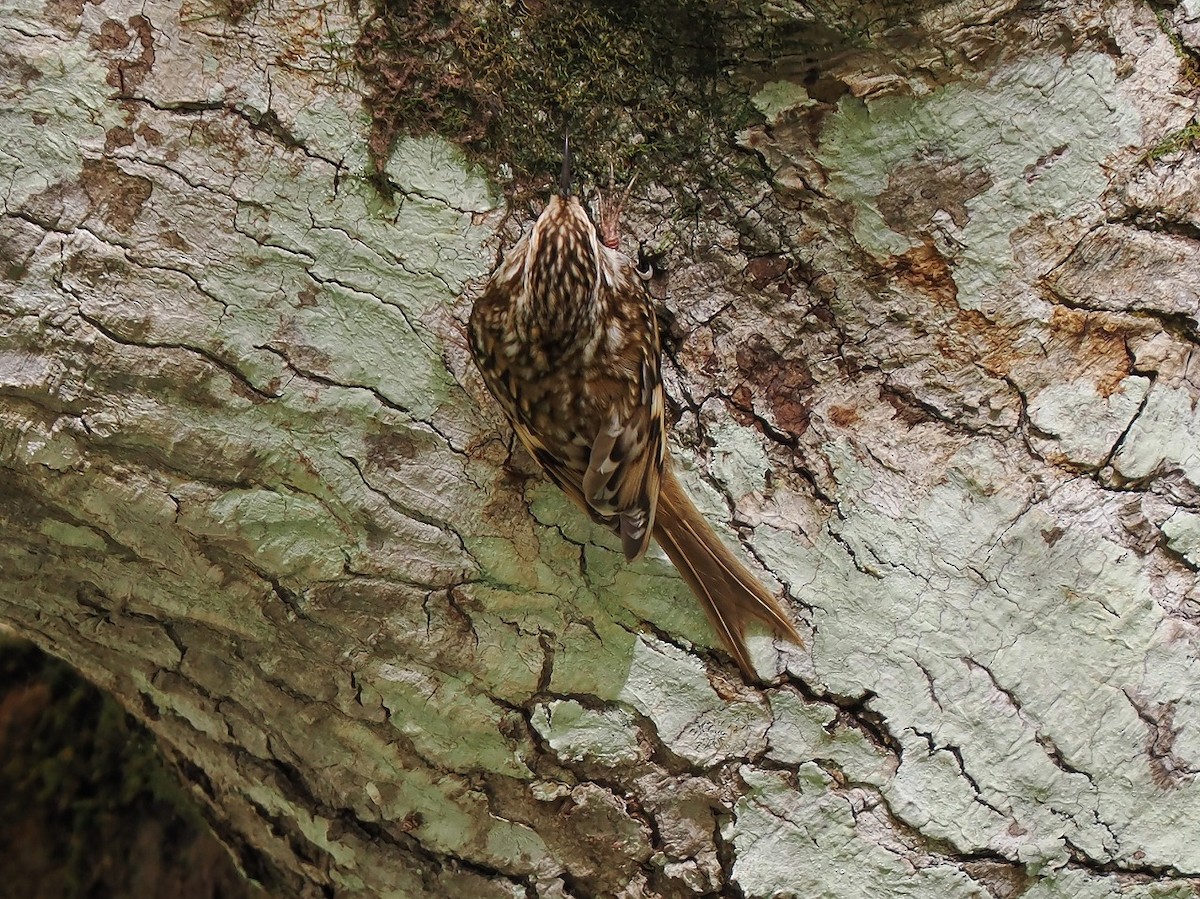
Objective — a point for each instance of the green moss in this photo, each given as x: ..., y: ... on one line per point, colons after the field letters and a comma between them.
x: 1190, y: 70
x: 1176, y: 140
x: 640, y: 84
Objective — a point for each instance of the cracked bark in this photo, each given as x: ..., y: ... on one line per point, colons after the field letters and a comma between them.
x: 938, y: 376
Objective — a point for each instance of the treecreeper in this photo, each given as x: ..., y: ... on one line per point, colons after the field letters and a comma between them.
x: 565, y: 336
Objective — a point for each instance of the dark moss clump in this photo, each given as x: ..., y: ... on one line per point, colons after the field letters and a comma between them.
x: 638, y: 84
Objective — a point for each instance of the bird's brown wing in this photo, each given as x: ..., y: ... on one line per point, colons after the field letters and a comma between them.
x: 626, y: 462
x: 564, y: 476
x: 620, y: 485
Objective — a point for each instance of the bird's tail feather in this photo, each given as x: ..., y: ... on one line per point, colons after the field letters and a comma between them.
x: 728, y: 592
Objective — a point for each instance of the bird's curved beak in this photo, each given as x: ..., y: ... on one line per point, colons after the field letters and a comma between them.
x: 564, y: 179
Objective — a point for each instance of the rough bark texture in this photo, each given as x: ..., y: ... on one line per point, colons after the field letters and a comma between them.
x: 252, y: 486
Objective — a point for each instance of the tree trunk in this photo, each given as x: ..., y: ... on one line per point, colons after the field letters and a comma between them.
x: 253, y: 486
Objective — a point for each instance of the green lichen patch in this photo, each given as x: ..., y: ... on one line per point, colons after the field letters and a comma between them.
x: 1030, y: 141
x: 781, y: 832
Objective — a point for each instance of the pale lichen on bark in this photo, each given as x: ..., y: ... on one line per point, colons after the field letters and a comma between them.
x: 253, y: 486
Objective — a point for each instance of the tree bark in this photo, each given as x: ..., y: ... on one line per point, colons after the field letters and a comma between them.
x: 253, y: 486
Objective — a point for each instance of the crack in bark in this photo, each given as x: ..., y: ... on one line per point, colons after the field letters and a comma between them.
x: 327, y: 381
x: 1178, y: 324
x: 209, y: 356
x: 1044, y: 740
x: 411, y: 512
x: 1167, y: 768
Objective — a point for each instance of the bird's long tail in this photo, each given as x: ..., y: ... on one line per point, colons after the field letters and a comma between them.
x: 728, y: 592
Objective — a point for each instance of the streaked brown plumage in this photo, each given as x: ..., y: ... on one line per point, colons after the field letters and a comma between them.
x: 566, y: 338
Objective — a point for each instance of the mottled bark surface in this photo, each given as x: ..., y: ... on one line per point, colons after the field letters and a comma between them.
x: 252, y: 486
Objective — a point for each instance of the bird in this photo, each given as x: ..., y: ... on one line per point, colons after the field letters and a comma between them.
x: 565, y: 336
